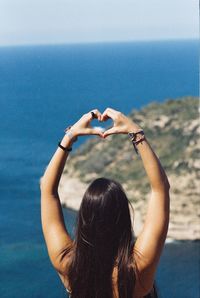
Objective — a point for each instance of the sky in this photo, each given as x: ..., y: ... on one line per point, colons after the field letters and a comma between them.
x: 76, y: 21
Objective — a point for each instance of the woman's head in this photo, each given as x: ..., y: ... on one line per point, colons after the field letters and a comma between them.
x: 104, y: 216
x: 103, y: 237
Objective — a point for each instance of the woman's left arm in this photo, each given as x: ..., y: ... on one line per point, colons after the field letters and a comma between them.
x: 55, y: 233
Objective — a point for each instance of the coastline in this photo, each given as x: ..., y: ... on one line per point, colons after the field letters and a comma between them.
x: 175, y: 123
x: 48, y: 91
x: 71, y: 191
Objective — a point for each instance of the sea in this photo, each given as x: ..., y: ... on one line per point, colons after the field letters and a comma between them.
x: 43, y: 89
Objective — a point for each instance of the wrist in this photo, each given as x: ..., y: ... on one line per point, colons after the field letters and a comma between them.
x: 133, y: 128
x: 66, y: 141
x: 71, y: 133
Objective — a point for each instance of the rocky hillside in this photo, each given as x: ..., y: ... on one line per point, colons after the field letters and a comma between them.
x: 172, y: 129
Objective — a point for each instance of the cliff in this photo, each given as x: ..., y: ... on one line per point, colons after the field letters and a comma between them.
x: 172, y: 129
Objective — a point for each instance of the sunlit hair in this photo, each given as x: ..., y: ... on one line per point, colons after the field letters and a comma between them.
x: 104, y: 238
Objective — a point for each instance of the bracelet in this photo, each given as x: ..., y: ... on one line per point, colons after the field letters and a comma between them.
x: 68, y: 132
x: 134, y: 140
x: 64, y: 148
x: 133, y: 135
x: 137, y: 142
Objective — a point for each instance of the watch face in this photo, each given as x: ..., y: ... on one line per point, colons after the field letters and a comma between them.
x: 131, y: 135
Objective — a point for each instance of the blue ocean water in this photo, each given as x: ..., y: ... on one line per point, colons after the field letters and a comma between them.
x: 43, y: 89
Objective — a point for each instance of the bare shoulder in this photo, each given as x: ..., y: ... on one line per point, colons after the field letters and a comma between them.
x: 139, y: 290
x: 145, y: 274
x: 64, y: 267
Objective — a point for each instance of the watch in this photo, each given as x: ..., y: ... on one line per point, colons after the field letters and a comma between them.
x: 133, y: 138
x: 133, y: 135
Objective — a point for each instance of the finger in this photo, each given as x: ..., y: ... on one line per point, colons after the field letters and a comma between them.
x: 107, y: 114
x: 93, y: 131
x: 112, y: 110
x: 97, y: 114
x: 112, y: 130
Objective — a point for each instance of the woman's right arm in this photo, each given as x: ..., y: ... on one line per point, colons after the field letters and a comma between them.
x: 150, y: 242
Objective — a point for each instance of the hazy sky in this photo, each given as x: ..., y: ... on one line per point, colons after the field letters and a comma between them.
x: 67, y: 21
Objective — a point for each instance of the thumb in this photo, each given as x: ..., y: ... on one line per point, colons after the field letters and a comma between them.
x: 93, y: 131
x: 112, y: 130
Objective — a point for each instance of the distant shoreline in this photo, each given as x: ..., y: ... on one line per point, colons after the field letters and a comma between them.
x: 99, y: 43
x: 176, y: 127
x: 168, y: 240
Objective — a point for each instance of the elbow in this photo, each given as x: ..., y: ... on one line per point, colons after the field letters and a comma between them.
x: 162, y: 186
x: 41, y: 183
x: 167, y: 184
x: 46, y: 188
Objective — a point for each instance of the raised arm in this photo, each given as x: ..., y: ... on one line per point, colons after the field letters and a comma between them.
x: 150, y: 242
x: 54, y: 230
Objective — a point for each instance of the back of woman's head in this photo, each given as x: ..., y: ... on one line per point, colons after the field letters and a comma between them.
x: 104, y: 216
x: 103, y: 238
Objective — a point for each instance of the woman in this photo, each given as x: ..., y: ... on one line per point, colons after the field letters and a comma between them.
x: 105, y: 260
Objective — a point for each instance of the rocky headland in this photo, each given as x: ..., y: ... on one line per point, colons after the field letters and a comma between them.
x: 173, y: 130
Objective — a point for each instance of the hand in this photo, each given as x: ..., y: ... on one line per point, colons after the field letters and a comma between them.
x: 83, y: 126
x: 121, y: 123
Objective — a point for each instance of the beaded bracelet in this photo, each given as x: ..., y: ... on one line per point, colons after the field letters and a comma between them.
x: 68, y: 132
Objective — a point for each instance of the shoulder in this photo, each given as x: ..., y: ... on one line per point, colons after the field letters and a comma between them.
x: 63, y: 270
x: 64, y: 259
x: 65, y: 282
x: 139, y: 290
x: 63, y: 273
x: 144, y: 273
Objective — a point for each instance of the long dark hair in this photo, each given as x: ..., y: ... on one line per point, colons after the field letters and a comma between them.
x: 104, y: 238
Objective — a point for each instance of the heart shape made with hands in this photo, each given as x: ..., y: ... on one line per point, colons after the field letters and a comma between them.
x: 121, y: 123
x: 114, y: 115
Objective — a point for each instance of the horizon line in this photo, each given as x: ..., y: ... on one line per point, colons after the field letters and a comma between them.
x: 99, y: 42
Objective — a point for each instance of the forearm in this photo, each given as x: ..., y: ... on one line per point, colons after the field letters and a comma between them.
x: 156, y: 174
x: 53, y: 225
x: 151, y: 239
x: 52, y: 175
x: 56, y: 236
